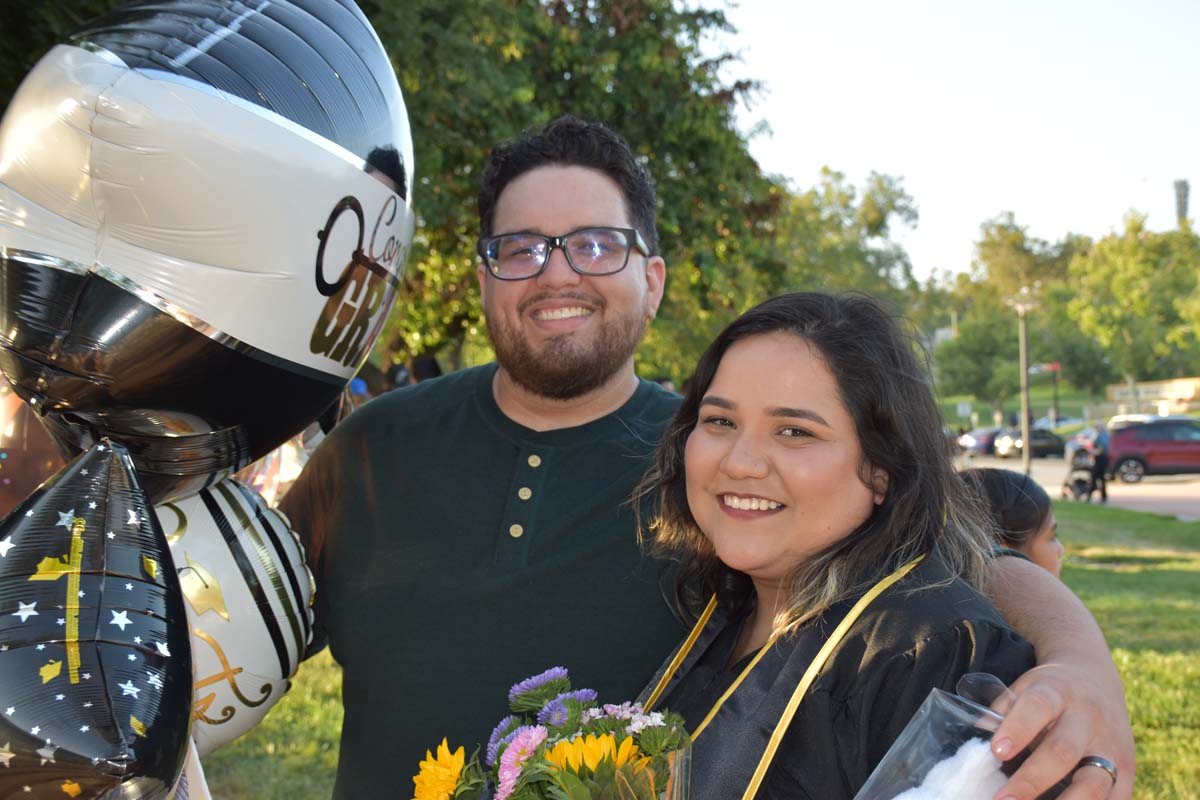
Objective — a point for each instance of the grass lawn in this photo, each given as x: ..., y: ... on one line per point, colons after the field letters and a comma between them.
x: 1138, y: 573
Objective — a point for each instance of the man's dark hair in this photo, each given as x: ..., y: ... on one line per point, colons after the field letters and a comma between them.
x: 569, y: 141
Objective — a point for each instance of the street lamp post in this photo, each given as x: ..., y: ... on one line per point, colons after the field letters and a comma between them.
x: 1024, y: 303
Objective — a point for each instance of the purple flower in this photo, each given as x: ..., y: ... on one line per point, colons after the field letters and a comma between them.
x: 500, y: 734
x: 579, y: 696
x: 536, y: 682
x: 554, y: 713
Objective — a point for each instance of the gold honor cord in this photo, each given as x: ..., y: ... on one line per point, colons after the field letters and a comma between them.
x: 810, y: 674
x: 684, y: 649
x: 814, y: 669
x: 51, y: 569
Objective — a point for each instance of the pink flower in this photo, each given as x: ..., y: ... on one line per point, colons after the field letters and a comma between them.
x: 524, y: 742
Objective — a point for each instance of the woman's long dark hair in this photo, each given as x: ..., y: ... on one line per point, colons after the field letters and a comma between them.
x: 1015, y: 502
x: 886, y: 390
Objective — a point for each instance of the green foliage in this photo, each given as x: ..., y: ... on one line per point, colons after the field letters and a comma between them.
x: 29, y: 29
x: 1007, y: 258
x: 1140, y: 575
x: 982, y: 359
x: 1133, y: 290
x: 670, y: 736
x: 535, y: 698
x: 472, y: 784
x: 1056, y: 337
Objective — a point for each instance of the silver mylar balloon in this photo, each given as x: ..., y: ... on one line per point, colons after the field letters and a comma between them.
x: 204, y: 215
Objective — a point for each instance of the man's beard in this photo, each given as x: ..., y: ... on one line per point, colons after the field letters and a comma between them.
x: 566, y: 368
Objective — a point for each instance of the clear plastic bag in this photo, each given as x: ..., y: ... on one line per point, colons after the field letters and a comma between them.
x: 943, y: 752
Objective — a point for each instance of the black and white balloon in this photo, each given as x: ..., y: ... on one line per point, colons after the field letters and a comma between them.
x: 249, y: 597
x: 204, y: 216
x: 95, y: 665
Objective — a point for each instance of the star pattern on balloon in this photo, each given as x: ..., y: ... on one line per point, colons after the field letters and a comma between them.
x: 84, y: 654
x: 26, y: 610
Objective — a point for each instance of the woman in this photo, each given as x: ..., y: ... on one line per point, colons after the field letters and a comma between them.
x: 1022, y: 513
x: 804, y: 485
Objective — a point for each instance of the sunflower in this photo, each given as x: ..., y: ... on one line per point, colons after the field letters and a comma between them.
x: 586, y: 752
x: 438, y: 777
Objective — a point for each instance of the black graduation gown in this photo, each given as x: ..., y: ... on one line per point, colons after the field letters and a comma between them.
x: 924, y: 632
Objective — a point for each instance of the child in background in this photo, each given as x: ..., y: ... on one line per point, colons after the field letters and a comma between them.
x: 1022, y: 512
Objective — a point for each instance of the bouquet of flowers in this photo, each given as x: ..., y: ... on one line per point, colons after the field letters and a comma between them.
x: 559, y: 744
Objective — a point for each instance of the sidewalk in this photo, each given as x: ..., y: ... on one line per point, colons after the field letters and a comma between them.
x: 1176, y: 495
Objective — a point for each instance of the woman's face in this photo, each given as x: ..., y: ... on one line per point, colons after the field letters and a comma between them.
x: 773, y: 464
x: 1044, y: 548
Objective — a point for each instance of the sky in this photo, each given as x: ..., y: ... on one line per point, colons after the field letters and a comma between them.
x: 1067, y: 113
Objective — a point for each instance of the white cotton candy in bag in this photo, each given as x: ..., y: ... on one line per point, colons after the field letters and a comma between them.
x: 972, y: 773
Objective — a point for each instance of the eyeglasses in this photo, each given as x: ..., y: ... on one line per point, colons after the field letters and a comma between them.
x: 589, y: 251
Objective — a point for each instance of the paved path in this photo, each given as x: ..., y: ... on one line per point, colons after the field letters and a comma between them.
x: 1177, y: 495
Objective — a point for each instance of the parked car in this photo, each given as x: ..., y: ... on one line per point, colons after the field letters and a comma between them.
x: 979, y: 441
x: 1045, y: 443
x: 1061, y: 422
x: 1166, y: 446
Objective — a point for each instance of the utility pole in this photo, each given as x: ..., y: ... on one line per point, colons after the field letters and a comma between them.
x: 1023, y: 303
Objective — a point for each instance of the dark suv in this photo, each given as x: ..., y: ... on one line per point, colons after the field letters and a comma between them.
x: 1159, y: 447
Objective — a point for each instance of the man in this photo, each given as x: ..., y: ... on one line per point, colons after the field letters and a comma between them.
x: 476, y: 529
x: 1099, y: 448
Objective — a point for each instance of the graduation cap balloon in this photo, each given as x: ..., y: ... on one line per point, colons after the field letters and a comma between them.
x: 204, y: 216
x: 95, y: 663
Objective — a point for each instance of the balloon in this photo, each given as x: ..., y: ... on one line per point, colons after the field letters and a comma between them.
x: 204, y: 217
x: 95, y: 664
x: 248, y: 603
x: 28, y: 455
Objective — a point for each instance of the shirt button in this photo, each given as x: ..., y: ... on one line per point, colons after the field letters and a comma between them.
x: 535, y: 461
x: 524, y: 493
x: 515, y: 531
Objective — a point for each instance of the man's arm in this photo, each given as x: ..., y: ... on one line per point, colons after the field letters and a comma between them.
x: 1075, y: 691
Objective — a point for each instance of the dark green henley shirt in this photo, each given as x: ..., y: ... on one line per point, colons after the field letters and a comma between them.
x: 457, y: 552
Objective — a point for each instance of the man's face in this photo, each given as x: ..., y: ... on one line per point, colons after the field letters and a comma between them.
x: 561, y: 334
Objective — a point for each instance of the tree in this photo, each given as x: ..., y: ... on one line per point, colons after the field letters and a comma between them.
x: 1008, y: 258
x: 983, y: 359
x: 1130, y: 289
x: 1056, y: 337
x: 28, y: 30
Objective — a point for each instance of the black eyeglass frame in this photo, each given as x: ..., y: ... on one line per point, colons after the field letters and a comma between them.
x: 559, y: 242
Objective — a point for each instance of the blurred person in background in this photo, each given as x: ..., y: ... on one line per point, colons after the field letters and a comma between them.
x: 1024, y: 519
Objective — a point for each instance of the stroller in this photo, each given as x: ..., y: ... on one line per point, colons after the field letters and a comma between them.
x: 1079, y: 475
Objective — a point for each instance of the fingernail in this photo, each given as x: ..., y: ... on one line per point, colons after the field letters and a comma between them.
x: 1003, y: 749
